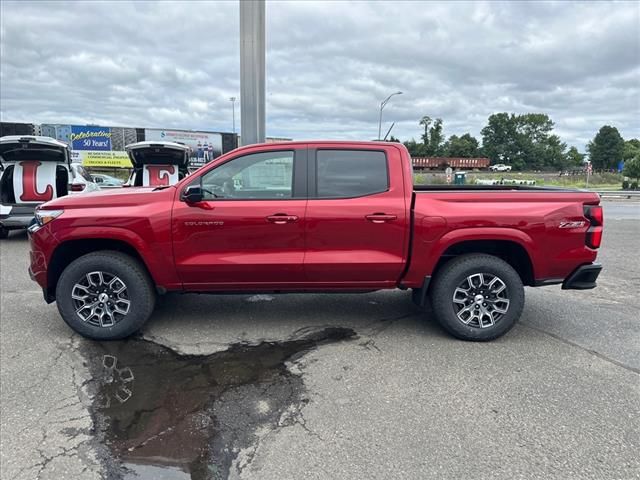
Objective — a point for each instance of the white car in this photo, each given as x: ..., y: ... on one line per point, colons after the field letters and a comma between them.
x: 500, y: 167
x: 106, y: 181
x: 34, y: 170
x: 81, y: 181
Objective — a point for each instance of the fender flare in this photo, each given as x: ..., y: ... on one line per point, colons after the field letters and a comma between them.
x: 485, y: 233
x: 158, y: 271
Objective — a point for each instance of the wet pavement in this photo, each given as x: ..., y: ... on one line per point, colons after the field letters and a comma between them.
x: 168, y: 415
x: 327, y: 386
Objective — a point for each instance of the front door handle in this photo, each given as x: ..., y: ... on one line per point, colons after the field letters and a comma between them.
x: 380, y: 217
x: 282, y: 218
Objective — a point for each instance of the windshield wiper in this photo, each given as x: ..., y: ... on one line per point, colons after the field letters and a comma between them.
x: 161, y: 187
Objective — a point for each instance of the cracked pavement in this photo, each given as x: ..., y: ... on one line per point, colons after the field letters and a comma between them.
x: 558, y: 397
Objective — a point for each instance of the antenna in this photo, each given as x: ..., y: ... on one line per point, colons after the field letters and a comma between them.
x: 388, y: 132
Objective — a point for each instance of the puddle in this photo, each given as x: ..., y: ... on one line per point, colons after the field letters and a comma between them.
x: 163, y: 415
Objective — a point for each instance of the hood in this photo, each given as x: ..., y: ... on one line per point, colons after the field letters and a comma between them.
x: 15, y: 148
x: 158, y: 153
x: 111, y: 198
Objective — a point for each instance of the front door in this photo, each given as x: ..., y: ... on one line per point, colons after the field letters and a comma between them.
x: 249, y: 230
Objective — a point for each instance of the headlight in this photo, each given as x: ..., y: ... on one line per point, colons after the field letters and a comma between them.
x: 45, y: 216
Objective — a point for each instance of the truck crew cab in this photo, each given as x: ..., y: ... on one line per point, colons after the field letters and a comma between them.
x: 313, y: 217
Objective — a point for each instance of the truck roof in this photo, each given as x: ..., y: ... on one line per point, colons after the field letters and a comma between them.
x: 296, y: 143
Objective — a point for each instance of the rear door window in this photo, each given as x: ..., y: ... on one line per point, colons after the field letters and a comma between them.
x: 350, y: 173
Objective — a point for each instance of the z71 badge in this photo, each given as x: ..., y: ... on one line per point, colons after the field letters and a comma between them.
x: 577, y: 224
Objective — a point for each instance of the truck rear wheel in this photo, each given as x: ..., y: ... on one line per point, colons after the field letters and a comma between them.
x: 105, y: 295
x: 477, y: 297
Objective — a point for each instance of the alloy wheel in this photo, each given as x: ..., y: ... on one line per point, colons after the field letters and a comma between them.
x: 101, y: 299
x: 481, y: 300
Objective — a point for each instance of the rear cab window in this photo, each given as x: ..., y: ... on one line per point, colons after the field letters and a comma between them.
x: 350, y: 173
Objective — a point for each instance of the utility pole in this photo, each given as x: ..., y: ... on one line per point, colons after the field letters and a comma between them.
x: 382, y: 105
x: 233, y: 112
x: 252, y: 71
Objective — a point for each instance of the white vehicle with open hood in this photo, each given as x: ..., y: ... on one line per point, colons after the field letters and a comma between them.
x: 34, y: 170
x: 157, y: 163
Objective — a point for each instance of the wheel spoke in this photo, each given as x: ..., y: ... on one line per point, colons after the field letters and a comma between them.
x: 460, y: 296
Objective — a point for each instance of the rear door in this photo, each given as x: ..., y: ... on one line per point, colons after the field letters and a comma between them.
x: 357, y: 219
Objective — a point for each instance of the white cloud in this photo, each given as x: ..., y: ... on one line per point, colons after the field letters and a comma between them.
x: 175, y: 64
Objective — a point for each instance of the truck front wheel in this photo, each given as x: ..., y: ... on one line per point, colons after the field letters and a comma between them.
x: 477, y: 297
x: 105, y: 295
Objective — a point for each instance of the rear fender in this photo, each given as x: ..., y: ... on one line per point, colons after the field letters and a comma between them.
x: 427, y: 255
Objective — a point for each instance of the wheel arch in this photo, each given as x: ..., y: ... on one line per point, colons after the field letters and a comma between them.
x: 71, y: 250
x: 509, y: 250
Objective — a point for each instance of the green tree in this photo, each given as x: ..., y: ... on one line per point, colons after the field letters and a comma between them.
x: 606, y: 149
x: 573, y: 158
x: 523, y: 141
x: 415, y: 148
x: 465, y: 146
x: 554, y: 153
x: 632, y: 168
x: 631, y: 149
x: 436, y: 139
x: 425, y: 122
x: 499, y: 138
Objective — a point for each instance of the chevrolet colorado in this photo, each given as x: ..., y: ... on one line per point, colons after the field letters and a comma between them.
x: 313, y: 217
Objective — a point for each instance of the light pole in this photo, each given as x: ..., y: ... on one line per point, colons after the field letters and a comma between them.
x: 382, y: 105
x: 233, y: 112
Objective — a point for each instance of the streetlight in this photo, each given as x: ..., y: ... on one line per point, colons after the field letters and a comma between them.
x: 233, y: 112
x: 382, y: 105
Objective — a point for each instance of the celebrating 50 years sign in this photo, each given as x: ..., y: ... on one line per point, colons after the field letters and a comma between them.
x: 92, y: 145
x: 98, y: 146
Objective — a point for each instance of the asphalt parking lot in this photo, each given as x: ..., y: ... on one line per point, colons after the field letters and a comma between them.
x: 319, y: 386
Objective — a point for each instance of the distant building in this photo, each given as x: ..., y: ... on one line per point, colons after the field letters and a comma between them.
x: 11, y: 128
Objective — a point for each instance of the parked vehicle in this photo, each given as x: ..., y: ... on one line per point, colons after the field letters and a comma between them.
x: 500, y: 167
x: 104, y: 180
x: 33, y: 170
x: 157, y: 163
x: 313, y: 217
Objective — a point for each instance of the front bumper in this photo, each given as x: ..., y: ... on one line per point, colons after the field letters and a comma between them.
x: 583, y: 277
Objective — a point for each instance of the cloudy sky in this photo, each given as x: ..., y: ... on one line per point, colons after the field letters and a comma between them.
x: 329, y: 64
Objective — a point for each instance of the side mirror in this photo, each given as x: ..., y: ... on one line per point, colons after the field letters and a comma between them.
x: 192, y: 194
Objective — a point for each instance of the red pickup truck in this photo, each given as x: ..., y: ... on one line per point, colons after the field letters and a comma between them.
x: 313, y: 217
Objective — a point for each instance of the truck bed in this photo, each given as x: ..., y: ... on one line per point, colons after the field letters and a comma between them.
x: 492, y: 188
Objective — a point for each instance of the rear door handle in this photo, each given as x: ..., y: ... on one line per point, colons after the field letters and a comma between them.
x: 380, y: 217
x: 282, y: 218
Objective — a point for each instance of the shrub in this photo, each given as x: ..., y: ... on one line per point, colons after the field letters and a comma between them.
x: 634, y: 185
x: 625, y: 184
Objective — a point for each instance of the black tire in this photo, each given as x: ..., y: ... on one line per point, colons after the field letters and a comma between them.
x: 139, y: 291
x: 4, y: 232
x: 454, y: 274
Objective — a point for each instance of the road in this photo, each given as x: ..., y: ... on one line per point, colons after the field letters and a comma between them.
x: 327, y: 386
